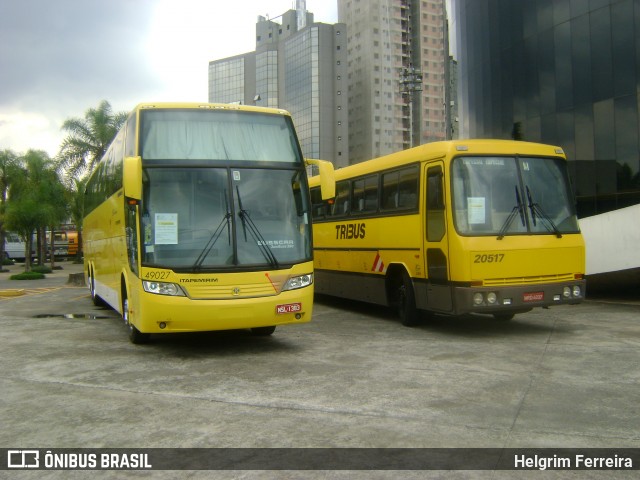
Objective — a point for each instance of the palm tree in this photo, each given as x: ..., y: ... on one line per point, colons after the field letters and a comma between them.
x: 37, y: 199
x: 88, y: 139
x: 9, y: 164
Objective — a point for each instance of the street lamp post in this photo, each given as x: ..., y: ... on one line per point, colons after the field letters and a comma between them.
x: 410, y: 82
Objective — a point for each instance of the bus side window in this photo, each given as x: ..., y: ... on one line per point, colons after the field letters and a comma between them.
x: 341, y: 205
x: 400, y: 189
x: 318, y: 206
x: 435, y: 204
x: 365, y: 194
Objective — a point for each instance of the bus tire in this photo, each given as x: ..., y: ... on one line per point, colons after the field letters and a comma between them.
x: 97, y: 301
x: 263, y: 331
x: 407, y: 310
x: 135, y: 336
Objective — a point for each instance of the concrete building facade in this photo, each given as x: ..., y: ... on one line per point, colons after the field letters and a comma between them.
x: 300, y: 66
x: 398, y: 65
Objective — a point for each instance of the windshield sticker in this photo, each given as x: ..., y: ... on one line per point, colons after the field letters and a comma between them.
x: 475, y: 210
x: 166, y: 229
x: 277, y: 243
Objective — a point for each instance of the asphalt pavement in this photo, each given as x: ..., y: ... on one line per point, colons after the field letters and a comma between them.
x: 353, y: 377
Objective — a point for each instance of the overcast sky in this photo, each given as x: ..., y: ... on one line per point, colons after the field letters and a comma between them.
x: 59, y: 58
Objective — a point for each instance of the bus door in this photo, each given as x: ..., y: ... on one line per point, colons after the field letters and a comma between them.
x: 436, y: 246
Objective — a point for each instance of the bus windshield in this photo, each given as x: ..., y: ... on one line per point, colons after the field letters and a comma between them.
x: 224, y: 218
x: 512, y: 195
x: 216, y: 135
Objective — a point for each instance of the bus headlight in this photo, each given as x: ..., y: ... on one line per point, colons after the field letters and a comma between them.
x: 478, y: 299
x: 491, y: 298
x: 566, y: 292
x: 162, y: 288
x: 577, y: 291
x: 299, y: 281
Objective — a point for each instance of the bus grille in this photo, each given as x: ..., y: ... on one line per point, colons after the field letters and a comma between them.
x: 561, y: 277
x: 230, y: 292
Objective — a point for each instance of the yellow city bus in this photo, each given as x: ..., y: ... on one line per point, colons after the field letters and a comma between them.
x: 197, y: 218
x: 470, y: 226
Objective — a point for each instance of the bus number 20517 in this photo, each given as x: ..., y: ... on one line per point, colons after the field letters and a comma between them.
x: 489, y: 258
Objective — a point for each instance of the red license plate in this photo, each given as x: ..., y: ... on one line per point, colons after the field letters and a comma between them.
x: 533, y: 297
x: 288, y: 308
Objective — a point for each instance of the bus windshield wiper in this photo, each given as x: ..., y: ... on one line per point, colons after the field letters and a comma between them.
x: 535, y: 208
x: 226, y: 221
x: 255, y: 233
x: 518, y: 208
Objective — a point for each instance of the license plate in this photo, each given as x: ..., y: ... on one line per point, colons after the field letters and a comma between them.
x: 288, y: 308
x: 533, y: 296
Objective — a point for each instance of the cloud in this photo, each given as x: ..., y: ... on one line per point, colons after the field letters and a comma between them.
x: 71, y: 49
x: 59, y: 58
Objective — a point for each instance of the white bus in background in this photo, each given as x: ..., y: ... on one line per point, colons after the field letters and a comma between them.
x: 14, y: 246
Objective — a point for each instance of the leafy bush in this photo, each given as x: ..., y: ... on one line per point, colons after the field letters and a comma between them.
x: 41, y: 269
x: 27, y: 276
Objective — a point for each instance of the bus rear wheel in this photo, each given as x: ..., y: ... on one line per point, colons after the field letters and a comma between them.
x: 97, y: 301
x: 135, y: 336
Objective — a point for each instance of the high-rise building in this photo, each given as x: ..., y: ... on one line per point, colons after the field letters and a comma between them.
x: 563, y: 72
x: 300, y: 66
x: 398, y: 63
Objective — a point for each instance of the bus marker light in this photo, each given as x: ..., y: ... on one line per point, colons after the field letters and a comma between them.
x: 288, y: 308
x: 162, y: 325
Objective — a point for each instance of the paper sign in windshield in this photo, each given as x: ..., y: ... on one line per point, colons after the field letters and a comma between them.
x: 475, y: 210
x: 166, y: 229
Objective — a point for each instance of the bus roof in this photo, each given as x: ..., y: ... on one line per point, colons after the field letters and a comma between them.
x: 449, y: 148
x: 212, y: 106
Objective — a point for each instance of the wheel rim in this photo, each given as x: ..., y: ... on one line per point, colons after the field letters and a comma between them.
x: 125, y: 313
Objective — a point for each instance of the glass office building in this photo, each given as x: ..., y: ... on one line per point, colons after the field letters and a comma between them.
x: 564, y: 72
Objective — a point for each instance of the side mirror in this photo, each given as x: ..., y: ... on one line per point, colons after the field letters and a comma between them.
x: 133, y: 177
x: 327, y: 179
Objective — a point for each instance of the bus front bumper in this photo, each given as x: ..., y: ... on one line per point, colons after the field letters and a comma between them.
x: 170, y: 314
x: 515, y: 299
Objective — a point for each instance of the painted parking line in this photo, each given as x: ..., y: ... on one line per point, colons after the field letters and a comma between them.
x: 23, y: 292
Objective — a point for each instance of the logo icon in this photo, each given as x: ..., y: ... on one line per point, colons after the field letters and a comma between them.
x: 23, y: 459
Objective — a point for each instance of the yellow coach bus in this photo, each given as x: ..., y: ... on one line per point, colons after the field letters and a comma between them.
x: 197, y: 218
x: 472, y: 226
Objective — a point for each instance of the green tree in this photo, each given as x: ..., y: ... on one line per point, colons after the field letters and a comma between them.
x: 76, y: 208
x: 9, y: 167
x: 88, y: 139
x: 37, y: 199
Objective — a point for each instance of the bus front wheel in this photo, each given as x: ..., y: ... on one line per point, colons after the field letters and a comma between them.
x: 406, y: 298
x: 135, y: 335
x: 262, y: 331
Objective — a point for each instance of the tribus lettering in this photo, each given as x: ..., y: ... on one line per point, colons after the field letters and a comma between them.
x: 350, y: 231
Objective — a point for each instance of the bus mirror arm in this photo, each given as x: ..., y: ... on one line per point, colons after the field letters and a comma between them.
x: 133, y: 177
x: 327, y: 179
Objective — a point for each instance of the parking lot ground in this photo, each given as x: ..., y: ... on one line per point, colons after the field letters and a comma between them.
x: 565, y: 377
